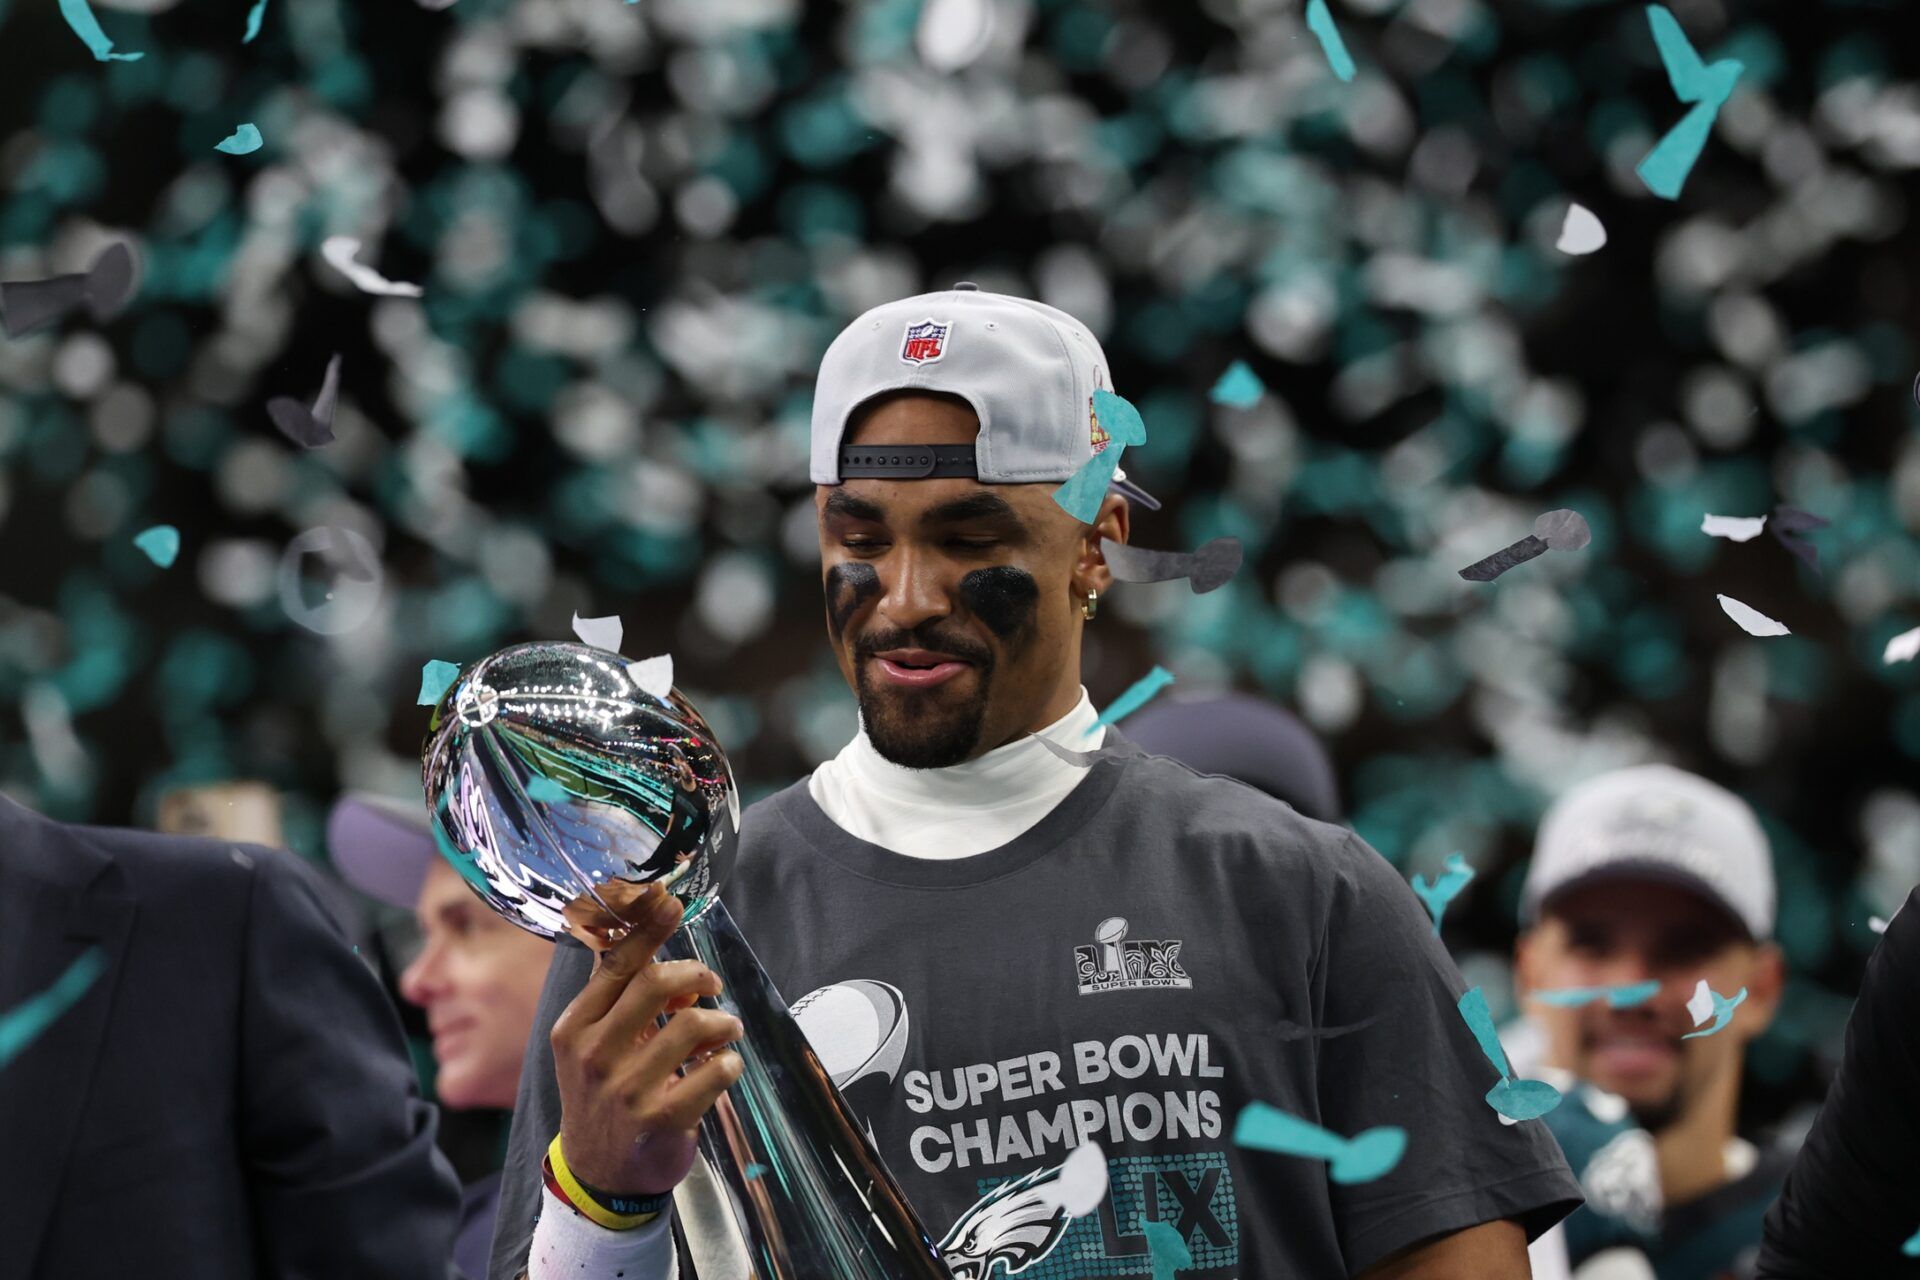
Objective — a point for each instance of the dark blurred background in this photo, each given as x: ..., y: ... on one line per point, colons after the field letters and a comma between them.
x: 638, y: 225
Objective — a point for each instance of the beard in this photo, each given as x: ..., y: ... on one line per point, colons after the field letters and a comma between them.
x: 918, y: 730
x: 1656, y: 1116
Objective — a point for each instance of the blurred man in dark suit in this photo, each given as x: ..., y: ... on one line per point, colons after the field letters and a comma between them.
x: 197, y: 1075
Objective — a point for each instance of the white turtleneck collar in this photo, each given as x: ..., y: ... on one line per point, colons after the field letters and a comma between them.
x: 963, y: 809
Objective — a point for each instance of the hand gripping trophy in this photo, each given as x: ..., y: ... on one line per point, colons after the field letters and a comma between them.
x: 558, y: 789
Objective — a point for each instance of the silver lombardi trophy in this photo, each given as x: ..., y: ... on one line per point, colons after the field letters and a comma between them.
x: 558, y: 787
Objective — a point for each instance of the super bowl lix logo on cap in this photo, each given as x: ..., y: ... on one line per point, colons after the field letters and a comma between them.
x: 1097, y: 434
x: 925, y: 341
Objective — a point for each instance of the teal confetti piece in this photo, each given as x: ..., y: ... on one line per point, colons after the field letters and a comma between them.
x: 254, y: 16
x: 1479, y: 1018
x: 1723, y: 1008
x: 1239, y: 387
x: 161, y: 543
x: 1320, y: 22
x: 1912, y: 1247
x: 435, y: 677
x: 1119, y: 418
x: 1080, y: 496
x: 1167, y: 1249
x: 1630, y: 994
x: 1367, y: 1155
x: 1135, y: 697
x: 242, y: 141
x: 1523, y: 1099
x: 1665, y: 168
x: 1514, y: 1099
x: 21, y: 1025
x: 547, y: 791
x: 79, y: 16
x: 1618, y: 997
x: 1444, y: 889
x: 756, y: 1171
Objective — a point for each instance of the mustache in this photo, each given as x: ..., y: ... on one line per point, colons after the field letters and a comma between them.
x: 879, y: 642
x: 1604, y: 1023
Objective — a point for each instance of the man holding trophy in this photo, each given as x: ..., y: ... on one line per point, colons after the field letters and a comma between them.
x: 1008, y: 933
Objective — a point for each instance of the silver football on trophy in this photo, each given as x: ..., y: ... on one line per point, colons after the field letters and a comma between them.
x: 555, y: 780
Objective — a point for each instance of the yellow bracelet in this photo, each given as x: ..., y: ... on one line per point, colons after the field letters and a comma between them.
x: 585, y: 1204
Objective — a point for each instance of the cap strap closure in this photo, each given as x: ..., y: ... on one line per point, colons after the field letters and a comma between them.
x: 907, y: 461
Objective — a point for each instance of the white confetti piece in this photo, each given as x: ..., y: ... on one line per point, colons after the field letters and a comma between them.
x: 1723, y: 1007
x: 1700, y: 1003
x: 1876, y: 924
x: 1751, y: 620
x: 340, y: 251
x: 602, y: 633
x: 1083, y: 1180
x: 653, y: 675
x: 1736, y: 528
x: 1581, y: 233
x: 1902, y: 647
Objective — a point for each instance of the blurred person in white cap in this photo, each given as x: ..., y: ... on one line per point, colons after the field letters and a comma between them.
x: 1008, y: 928
x: 476, y: 977
x: 1646, y: 882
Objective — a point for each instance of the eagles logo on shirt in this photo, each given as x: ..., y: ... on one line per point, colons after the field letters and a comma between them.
x: 1017, y: 1223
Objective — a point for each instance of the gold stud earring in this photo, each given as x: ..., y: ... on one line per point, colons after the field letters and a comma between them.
x: 1092, y: 605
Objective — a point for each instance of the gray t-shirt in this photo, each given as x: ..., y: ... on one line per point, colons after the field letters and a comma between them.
x: 1160, y: 950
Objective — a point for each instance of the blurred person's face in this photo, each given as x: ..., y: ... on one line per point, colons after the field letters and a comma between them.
x: 1621, y: 932
x: 954, y: 607
x: 478, y: 978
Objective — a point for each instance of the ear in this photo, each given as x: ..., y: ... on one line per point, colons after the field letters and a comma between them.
x: 1764, y: 987
x: 1525, y: 960
x: 1090, y: 569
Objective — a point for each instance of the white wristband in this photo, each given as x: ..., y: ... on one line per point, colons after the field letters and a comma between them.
x: 570, y: 1246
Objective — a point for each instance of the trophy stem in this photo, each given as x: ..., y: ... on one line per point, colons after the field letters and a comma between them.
x: 810, y: 1198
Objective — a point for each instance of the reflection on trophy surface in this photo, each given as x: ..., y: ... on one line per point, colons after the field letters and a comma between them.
x: 562, y: 792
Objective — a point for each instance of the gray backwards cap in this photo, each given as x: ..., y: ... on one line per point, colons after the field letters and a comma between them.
x: 1029, y: 371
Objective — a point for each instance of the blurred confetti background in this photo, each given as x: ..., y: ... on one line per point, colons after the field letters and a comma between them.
x: 636, y: 226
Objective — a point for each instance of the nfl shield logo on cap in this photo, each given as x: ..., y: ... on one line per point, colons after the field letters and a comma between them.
x: 925, y: 342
